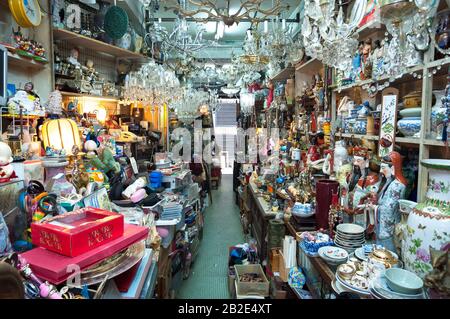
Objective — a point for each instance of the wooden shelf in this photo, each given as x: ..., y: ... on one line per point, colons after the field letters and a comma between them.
x: 105, y: 98
x: 311, y: 65
x: 370, y: 28
x: 99, y: 46
x: 285, y: 74
x: 17, y: 116
x: 431, y: 142
x: 407, y: 140
x: 359, y: 136
x: 402, y: 140
x: 407, y: 77
x: 17, y: 60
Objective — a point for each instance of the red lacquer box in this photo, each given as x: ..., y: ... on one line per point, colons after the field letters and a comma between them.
x: 74, y: 233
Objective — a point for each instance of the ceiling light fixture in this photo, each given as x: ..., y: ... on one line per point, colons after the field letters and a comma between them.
x: 248, y: 10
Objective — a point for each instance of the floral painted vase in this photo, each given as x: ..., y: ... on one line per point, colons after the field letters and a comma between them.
x: 428, y: 223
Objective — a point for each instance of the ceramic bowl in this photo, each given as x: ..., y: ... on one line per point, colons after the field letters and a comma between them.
x: 403, y: 281
x: 414, y: 99
x: 409, y: 126
x: 351, y: 229
x: 411, y: 112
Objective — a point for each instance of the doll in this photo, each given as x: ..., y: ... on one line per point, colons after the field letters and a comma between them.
x: 6, y: 169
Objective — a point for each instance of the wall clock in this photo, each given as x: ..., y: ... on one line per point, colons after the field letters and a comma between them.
x: 27, y: 13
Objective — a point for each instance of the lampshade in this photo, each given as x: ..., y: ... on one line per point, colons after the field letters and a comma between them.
x: 61, y: 134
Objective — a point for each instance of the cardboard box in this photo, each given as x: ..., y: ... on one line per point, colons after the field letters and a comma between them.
x: 252, y: 288
x: 56, y: 268
x: 78, y: 232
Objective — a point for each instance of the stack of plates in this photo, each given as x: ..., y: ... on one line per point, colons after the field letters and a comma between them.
x: 379, y: 290
x: 333, y: 255
x: 349, y: 236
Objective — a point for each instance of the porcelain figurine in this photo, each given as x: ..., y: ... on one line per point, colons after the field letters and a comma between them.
x: 428, y: 223
x: 361, y: 184
x: 6, y: 169
x: 386, y: 211
x: 377, y: 60
x: 366, y: 64
x: 337, y: 159
x: 356, y: 63
x: 440, y: 112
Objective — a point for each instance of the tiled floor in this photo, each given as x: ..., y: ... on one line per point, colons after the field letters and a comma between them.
x: 208, y: 279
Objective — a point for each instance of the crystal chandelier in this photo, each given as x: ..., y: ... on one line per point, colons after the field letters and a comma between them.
x: 326, y: 36
x: 212, y: 10
x: 180, y: 40
x: 247, y: 103
x: 188, y: 103
x: 256, y: 55
x: 152, y: 85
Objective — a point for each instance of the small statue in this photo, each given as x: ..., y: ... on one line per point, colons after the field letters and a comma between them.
x: 73, y: 58
x: 6, y: 169
x: 361, y: 183
x: 387, y: 208
x: 366, y: 64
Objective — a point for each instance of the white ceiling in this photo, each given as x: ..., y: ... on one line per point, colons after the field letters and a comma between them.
x: 233, y: 36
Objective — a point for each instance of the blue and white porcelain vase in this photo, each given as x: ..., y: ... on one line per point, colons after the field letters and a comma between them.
x: 439, y: 113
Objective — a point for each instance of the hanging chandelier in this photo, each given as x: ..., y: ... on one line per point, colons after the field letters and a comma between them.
x: 326, y: 36
x: 247, y: 103
x: 210, y: 10
x: 152, y: 85
x: 188, y: 104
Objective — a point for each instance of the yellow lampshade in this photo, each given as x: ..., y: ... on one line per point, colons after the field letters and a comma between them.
x: 61, y: 134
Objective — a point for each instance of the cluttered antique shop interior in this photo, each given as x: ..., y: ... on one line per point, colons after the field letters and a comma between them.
x: 224, y: 149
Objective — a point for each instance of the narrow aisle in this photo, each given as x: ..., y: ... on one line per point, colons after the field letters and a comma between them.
x: 208, y: 278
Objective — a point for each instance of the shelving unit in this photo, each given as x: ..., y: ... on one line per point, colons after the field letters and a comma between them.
x: 16, y: 60
x: 85, y: 95
x: 285, y: 74
x: 99, y: 46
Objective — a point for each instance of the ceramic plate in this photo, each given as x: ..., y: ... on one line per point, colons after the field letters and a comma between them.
x: 359, y: 253
x: 338, y: 287
x: 380, y: 286
x: 350, y: 229
x: 355, y: 244
x: 412, y: 112
x: 335, y: 253
x: 350, y: 240
x: 332, y: 262
x: 360, y: 291
x: 343, y: 235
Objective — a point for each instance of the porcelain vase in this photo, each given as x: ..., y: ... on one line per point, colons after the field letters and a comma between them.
x: 438, y: 113
x: 428, y: 223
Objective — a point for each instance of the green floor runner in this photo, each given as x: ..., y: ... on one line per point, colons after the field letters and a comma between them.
x: 208, y: 278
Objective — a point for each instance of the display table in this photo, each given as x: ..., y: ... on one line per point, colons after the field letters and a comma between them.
x: 260, y: 214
